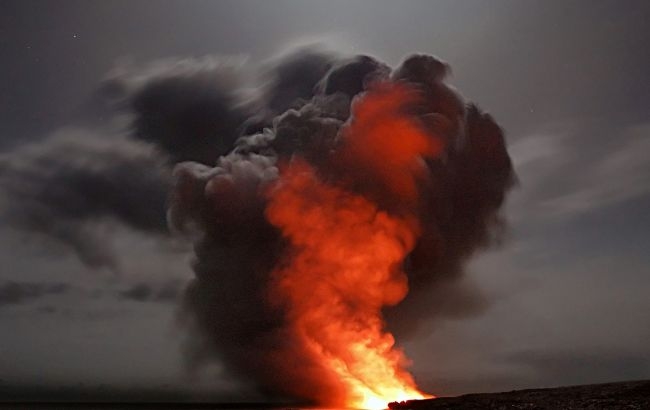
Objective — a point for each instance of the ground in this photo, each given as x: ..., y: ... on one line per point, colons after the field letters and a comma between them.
x: 624, y: 395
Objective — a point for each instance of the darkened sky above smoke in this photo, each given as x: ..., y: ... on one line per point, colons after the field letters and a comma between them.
x: 567, y: 291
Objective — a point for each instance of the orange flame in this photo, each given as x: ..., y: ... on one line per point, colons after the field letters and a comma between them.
x: 346, y: 251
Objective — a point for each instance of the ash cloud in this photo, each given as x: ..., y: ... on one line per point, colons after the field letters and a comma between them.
x: 290, y: 81
x: 114, y: 163
x: 168, y: 292
x: 68, y: 185
x: 286, y: 83
x: 17, y: 293
x: 223, y: 134
x: 236, y: 248
x: 192, y: 109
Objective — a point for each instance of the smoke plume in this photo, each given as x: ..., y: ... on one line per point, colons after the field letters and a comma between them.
x: 346, y: 157
x: 114, y: 164
x: 332, y: 202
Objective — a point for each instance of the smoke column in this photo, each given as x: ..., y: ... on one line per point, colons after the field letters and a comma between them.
x: 310, y: 231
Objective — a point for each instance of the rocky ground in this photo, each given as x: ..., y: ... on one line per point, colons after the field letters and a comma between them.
x: 624, y: 395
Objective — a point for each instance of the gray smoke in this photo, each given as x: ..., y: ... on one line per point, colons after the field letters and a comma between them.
x: 114, y: 164
x: 66, y: 185
x: 236, y: 248
x: 196, y: 143
x: 16, y: 293
x: 168, y: 292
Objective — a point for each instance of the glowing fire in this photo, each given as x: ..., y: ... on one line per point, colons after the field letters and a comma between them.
x: 346, y: 251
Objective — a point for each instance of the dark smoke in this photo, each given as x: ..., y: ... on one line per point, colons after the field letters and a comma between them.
x: 16, y: 293
x: 291, y: 81
x: 236, y: 248
x: 68, y: 185
x: 226, y: 131
x: 168, y: 292
x: 114, y: 164
x: 191, y: 109
x: 351, y: 76
x: 288, y: 82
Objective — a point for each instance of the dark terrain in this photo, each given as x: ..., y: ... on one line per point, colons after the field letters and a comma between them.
x: 623, y: 395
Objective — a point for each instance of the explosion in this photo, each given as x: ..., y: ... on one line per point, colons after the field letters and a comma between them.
x: 331, y: 204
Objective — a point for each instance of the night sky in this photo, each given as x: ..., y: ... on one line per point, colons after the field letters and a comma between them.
x: 566, y: 291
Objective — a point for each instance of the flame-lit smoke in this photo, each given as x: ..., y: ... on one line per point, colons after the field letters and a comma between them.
x: 346, y: 253
x: 322, y: 216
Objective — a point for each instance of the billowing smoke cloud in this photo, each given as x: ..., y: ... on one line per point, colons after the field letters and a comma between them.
x: 70, y: 185
x: 115, y: 163
x: 237, y: 249
x: 231, y: 134
x: 285, y: 83
x: 192, y: 109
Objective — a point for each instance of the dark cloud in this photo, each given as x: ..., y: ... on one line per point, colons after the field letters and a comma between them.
x: 294, y: 77
x: 236, y: 248
x: 168, y: 292
x: 288, y: 82
x: 192, y: 109
x: 115, y: 166
x: 16, y: 293
x: 65, y: 186
x: 224, y: 137
x: 71, y: 186
x: 544, y: 69
x: 352, y: 75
